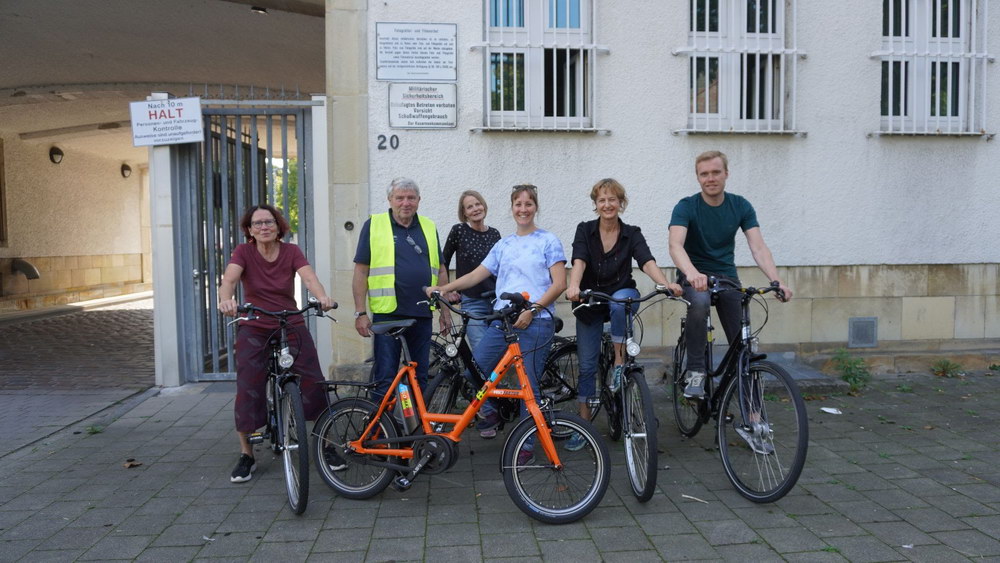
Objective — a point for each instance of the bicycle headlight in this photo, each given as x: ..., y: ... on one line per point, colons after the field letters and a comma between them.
x: 285, y: 360
x: 632, y: 347
x: 450, y: 350
x: 754, y: 345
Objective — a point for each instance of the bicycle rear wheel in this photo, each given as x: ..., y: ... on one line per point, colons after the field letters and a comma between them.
x: 294, y: 446
x: 763, y: 455
x: 639, y: 423
x: 548, y: 494
x: 342, y: 423
x: 687, y: 412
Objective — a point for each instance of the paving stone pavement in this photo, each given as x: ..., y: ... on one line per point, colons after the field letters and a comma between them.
x: 58, y: 370
x: 907, y: 472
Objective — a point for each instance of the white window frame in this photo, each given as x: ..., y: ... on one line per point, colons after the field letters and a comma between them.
x: 537, y: 39
x: 732, y: 44
x: 922, y: 50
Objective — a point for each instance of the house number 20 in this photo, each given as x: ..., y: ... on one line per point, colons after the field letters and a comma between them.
x: 391, y: 142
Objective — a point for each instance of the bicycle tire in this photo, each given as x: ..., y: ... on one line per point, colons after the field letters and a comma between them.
x: 688, y: 414
x: 443, y: 392
x: 550, y: 495
x: 561, y: 375
x: 640, y: 426
x: 343, y: 422
x: 294, y: 446
x: 764, y: 477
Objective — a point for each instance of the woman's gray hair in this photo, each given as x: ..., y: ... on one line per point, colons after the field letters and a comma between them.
x: 402, y: 183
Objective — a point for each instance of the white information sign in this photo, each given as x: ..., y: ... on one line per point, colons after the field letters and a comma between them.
x: 422, y: 106
x: 166, y: 122
x: 416, y: 51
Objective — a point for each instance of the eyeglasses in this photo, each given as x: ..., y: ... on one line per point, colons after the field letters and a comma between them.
x: 413, y: 243
x: 265, y: 223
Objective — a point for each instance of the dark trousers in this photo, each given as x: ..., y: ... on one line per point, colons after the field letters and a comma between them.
x: 696, y: 331
x: 252, y: 354
x: 388, y: 350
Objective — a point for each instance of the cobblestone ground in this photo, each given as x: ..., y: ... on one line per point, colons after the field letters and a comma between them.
x: 56, y: 371
x: 907, y: 472
x: 109, y: 347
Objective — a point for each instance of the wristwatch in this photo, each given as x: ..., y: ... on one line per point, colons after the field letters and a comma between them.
x: 360, y: 313
x: 535, y: 309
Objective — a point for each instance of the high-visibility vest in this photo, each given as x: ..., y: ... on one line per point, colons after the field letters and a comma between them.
x: 382, y: 266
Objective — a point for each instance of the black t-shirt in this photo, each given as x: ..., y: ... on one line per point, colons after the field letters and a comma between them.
x: 470, y: 248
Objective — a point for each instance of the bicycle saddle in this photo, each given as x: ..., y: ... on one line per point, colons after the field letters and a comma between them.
x: 392, y: 328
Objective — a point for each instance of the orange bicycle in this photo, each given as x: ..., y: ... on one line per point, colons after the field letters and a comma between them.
x: 398, y: 439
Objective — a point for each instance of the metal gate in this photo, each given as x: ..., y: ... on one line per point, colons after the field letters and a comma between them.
x: 249, y: 155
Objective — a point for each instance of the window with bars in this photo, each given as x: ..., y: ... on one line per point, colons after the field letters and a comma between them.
x: 539, y: 64
x: 933, y: 58
x: 743, y: 66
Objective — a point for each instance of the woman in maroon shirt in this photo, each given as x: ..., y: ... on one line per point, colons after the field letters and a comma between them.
x: 267, y: 266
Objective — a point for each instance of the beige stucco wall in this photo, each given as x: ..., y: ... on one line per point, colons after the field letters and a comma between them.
x: 79, y: 223
x: 917, y: 306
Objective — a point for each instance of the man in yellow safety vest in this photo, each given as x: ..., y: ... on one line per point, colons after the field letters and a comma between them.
x: 398, y: 255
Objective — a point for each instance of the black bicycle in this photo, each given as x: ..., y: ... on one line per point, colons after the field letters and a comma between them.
x: 630, y: 410
x: 286, y: 421
x: 761, y: 422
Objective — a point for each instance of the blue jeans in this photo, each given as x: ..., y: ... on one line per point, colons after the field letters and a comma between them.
x: 388, y: 350
x: 535, y: 343
x: 588, y: 342
x: 476, y: 329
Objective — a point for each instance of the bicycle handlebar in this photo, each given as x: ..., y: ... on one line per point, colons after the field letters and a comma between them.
x: 714, y: 284
x: 661, y: 290
x: 518, y: 303
x: 249, y: 309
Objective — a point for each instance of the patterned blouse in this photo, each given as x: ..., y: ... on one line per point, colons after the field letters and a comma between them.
x: 470, y: 248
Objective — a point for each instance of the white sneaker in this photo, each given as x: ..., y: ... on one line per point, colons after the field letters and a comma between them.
x: 695, y: 385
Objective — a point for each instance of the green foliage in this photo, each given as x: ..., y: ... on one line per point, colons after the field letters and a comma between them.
x: 293, y: 191
x: 946, y: 368
x: 94, y: 430
x: 852, y: 369
x: 904, y: 388
x: 994, y: 367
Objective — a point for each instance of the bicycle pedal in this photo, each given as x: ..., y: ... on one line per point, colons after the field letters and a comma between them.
x: 255, y: 438
x: 401, y: 484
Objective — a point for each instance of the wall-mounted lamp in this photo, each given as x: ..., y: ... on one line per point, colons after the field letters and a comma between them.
x: 55, y: 155
x: 126, y: 170
x: 258, y: 10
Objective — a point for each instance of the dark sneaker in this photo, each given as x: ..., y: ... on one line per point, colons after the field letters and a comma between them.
x: 525, y: 457
x: 333, y: 459
x: 576, y: 442
x: 695, y: 385
x: 489, y: 425
x: 757, y: 438
x: 244, y: 469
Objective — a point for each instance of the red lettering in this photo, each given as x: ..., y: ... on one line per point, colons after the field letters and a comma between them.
x: 152, y: 114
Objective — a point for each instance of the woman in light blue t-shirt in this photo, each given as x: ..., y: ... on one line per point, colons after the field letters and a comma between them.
x: 530, y: 260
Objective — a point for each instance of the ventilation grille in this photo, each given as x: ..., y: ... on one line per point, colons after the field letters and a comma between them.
x: 862, y: 332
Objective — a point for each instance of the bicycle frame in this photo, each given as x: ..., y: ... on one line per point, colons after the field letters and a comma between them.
x: 738, y: 357
x: 511, y: 358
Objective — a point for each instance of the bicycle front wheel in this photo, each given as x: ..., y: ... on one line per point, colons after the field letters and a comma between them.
x: 549, y: 494
x: 639, y: 424
x: 687, y: 412
x: 763, y: 453
x: 345, y: 472
x: 294, y: 446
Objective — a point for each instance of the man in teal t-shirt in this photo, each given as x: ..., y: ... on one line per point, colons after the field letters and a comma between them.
x: 702, y: 243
